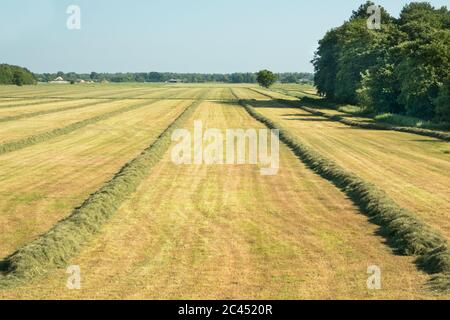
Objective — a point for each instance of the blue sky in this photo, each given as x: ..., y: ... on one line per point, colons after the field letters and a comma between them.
x: 171, y: 35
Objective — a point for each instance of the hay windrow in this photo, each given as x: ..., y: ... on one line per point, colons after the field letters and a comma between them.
x: 55, y: 248
x: 50, y: 111
x: 24, y: 104
x: 406, y: 233
x: 378, y: 126
x: 364, y: 125
x: 42, y: 137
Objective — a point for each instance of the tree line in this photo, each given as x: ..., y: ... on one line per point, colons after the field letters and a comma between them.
x: 402, y: 68
x: 16, y: 75
x: 289, y: 77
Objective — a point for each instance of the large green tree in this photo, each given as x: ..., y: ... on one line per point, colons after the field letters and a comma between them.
x: 346, y: 52
x: 423, y: 57
x: 266, y: 78
x: 443, y: 102
x: 401, y: 68
x: 325, y: 64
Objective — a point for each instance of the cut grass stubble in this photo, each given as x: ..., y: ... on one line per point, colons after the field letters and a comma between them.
x: 45, y: 112
x: 374, y: 126
x: 42, y: 137
x: 64, y: 240
x: 378, y: 126
x: 405, y: 232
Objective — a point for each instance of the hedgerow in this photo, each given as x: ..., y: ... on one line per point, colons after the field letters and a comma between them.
x: 56, y: 247
x: 406, y: 233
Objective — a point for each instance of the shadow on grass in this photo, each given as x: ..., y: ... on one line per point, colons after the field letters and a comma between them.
x: 431, y: 140
x: 4, y: 267
x: 309, y: 119
x: 357, y: 123
x: 282, y: 103
x: 301, y: 115
x: 386, y: 235
x: 302, y: 102
x: 272, y: 104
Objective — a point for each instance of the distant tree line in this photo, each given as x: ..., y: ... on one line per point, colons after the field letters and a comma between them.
x: 16, y: 75
x: 166, y: 76
x: 403, y: 68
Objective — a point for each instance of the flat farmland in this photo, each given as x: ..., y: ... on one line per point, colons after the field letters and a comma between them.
x: 34, y: 106
x: 413, y: 170
x: 248, y: 93
x: 70, y: 91
x: 47, y: 179
x: 13, y: 102
x: 15, y: 130
x: 198, y: 231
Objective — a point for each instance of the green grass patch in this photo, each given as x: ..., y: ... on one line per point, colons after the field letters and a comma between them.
x: 406, y: 121
x: 351, y: 109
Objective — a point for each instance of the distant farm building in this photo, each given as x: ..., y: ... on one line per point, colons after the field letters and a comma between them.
x: 59, y: 80
x: 175, y: 81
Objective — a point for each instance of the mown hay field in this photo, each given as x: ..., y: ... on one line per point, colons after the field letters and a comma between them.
x: 205, y: 231
x: 414, y: 170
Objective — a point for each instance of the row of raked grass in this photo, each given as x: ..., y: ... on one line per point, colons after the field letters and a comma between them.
x: 49, y: 111
x: 378, y: 126
x: 406, y: 233
x: 33, y: 102
x: 42, y: 137
x: 56, y: 247
x: 382, y: 122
